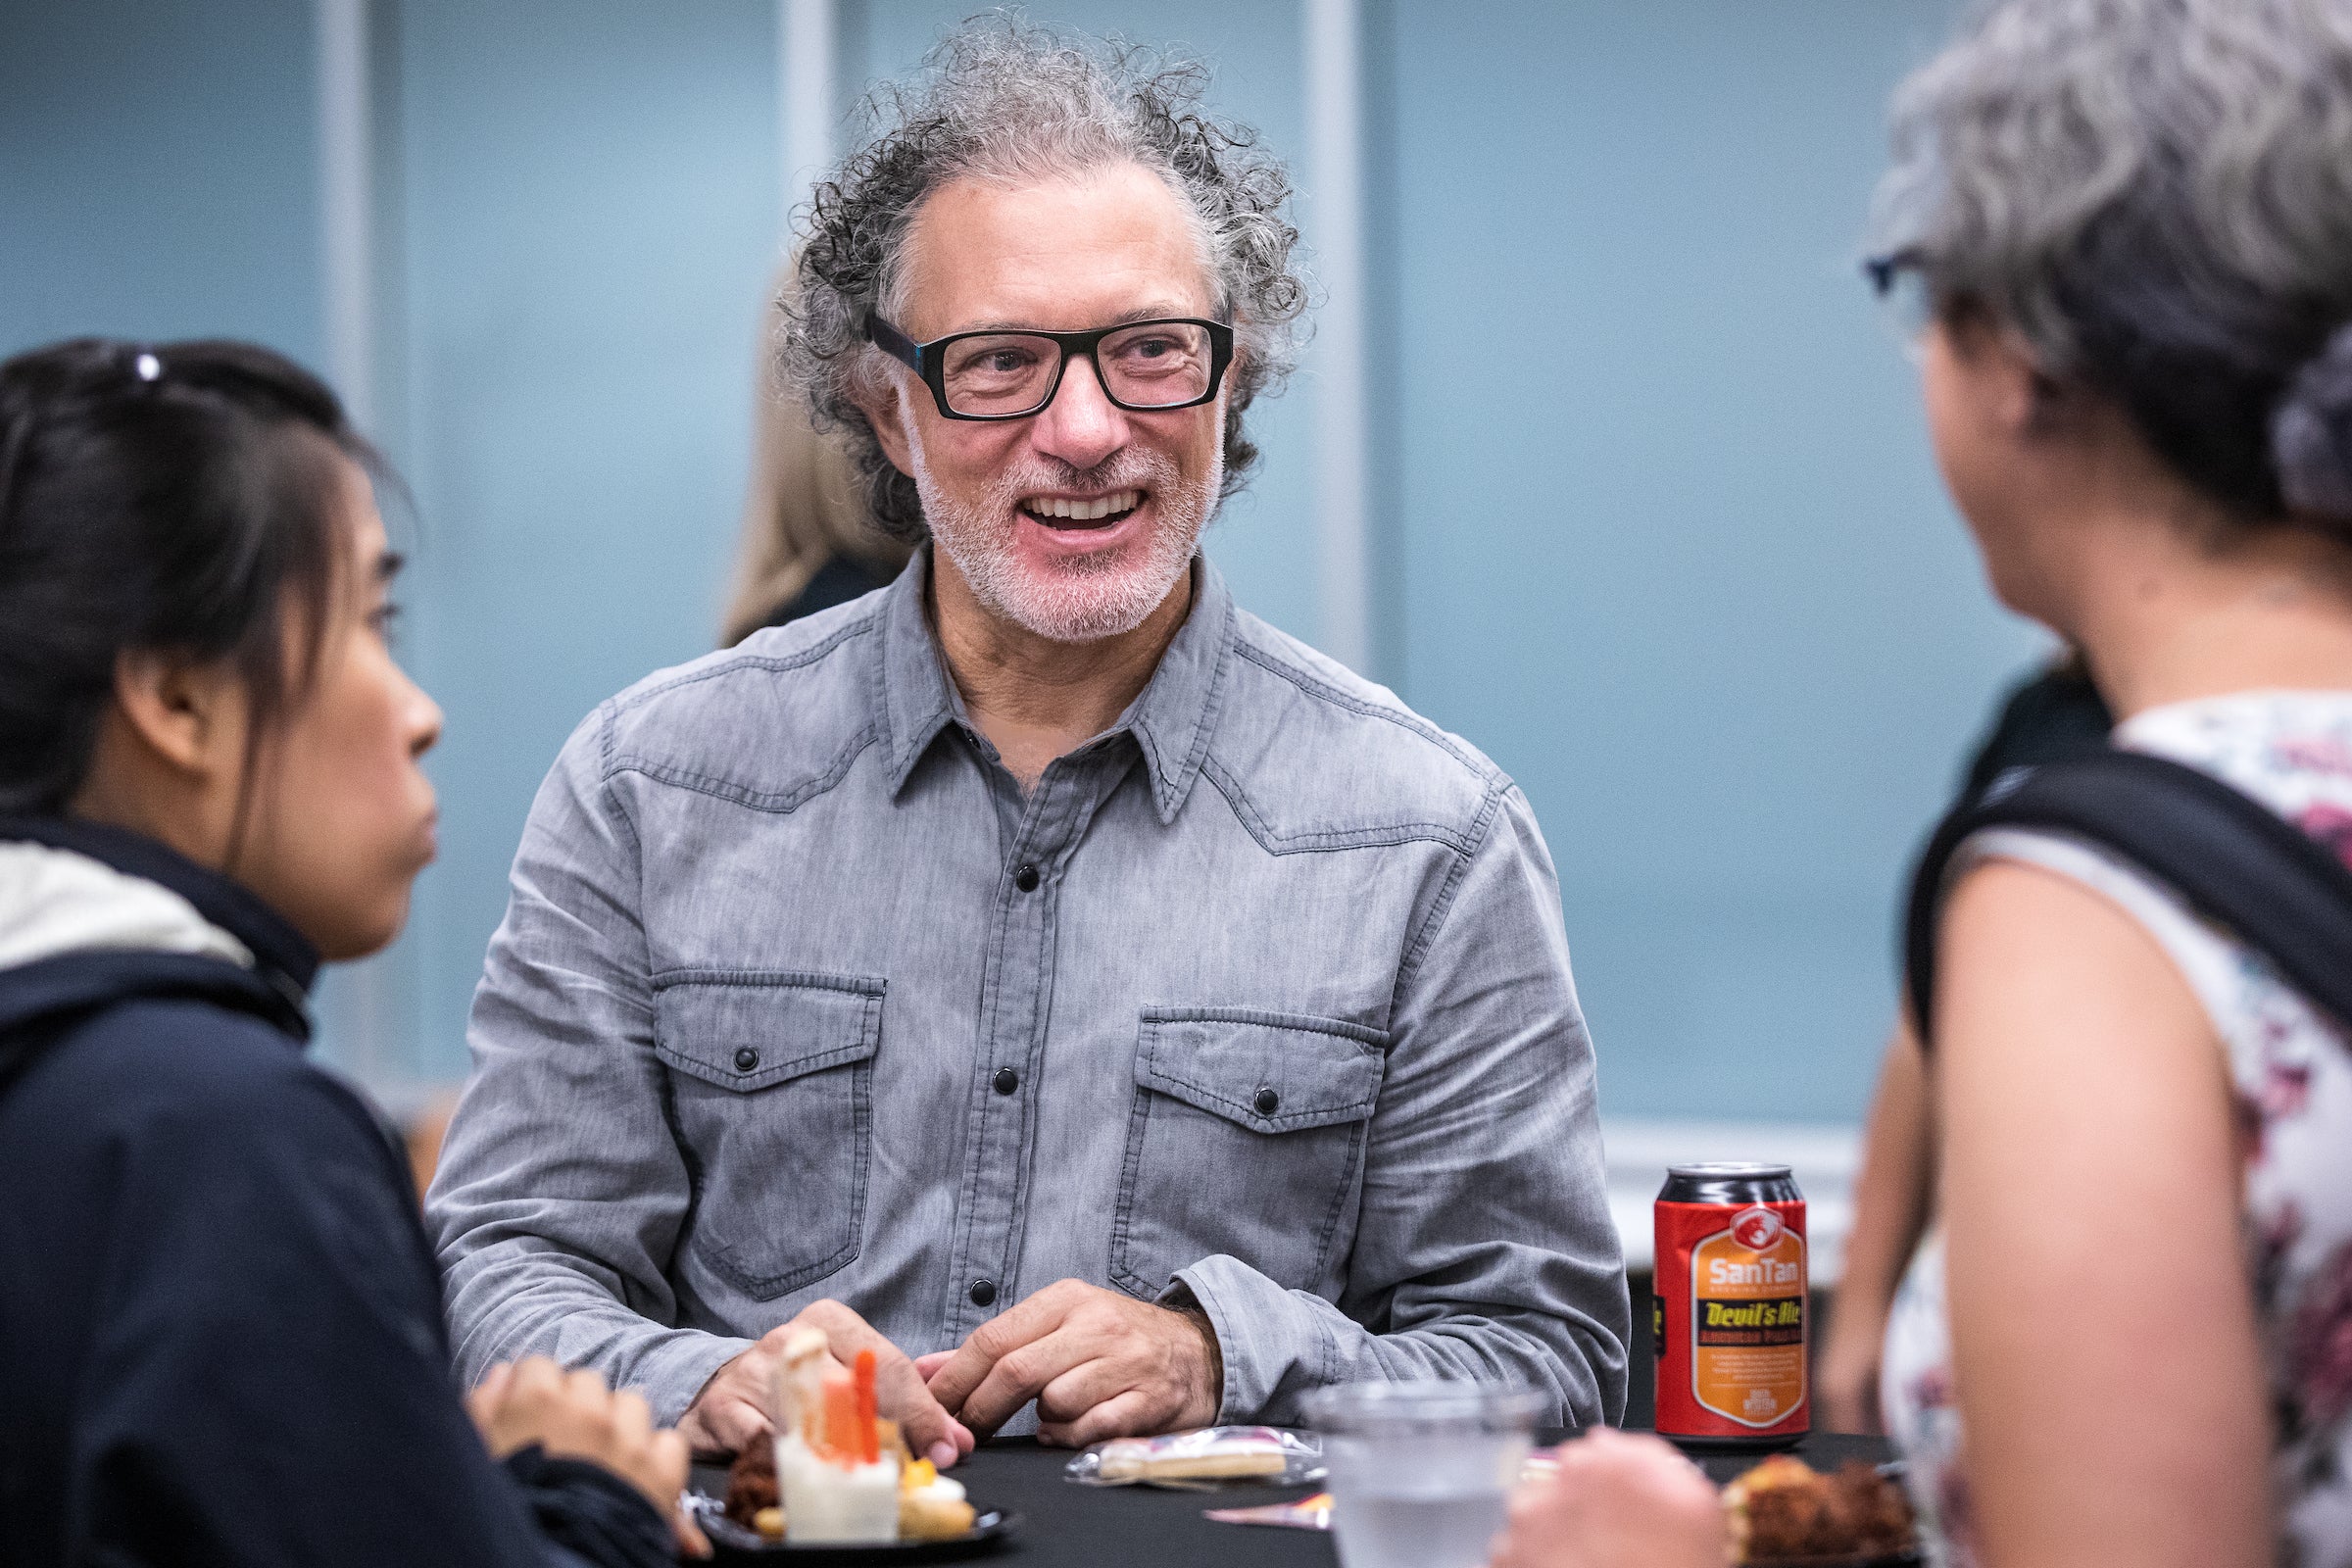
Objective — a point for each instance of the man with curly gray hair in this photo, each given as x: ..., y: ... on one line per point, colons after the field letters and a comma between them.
x: 1039, y: 972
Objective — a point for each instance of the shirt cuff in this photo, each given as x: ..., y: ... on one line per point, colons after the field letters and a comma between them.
x: 1261, y: 1333
x: 670, y: 1375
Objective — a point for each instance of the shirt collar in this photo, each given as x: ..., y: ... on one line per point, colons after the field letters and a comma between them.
x: 1171, y: 719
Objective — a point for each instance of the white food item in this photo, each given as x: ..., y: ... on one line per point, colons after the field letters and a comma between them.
x: 940, y: 1490
x: 836, y: 1503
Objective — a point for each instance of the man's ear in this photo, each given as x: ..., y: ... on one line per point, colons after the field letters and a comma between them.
x: 879, y: 398
x: 191, y: 716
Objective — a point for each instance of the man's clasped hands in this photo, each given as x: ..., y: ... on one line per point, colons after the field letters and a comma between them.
x: 1100, y: 1364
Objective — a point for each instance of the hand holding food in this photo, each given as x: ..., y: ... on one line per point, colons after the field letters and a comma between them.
x: 730, y: 1415
x: 1616, y: 1502
x: 1098, y: 1363
x: 574, y: 1416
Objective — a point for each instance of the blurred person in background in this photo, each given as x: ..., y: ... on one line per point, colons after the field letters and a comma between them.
x: 810, y: 542
x: 2128, y: 1339
x: 221, y: 1328
x: 1040, y: 965
x: 2057, y: 714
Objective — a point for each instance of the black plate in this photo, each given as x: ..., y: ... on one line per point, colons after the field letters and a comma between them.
x: 732, y: 1543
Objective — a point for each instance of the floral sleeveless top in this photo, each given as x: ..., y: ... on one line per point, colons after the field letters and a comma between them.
x: 2292, y: 1071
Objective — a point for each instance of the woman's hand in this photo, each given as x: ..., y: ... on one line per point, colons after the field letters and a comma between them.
x: 574, y: 1416
x: 1617, y: 1501
x: 1890, y: 1211
x: 1845, y: 1377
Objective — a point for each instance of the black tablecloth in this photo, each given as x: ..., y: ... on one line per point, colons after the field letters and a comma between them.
x: 1067, y: 1526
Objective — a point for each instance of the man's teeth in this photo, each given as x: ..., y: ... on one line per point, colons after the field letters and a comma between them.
x: 1084, y: 510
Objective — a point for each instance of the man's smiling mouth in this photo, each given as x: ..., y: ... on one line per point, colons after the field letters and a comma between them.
x: 1087, y: 512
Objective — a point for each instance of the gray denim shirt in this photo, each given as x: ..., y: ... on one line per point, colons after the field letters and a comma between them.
x: 1261, y: 994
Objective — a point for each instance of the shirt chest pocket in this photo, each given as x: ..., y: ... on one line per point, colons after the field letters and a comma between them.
x: 771, y: 1092
x: 1246, y: 1138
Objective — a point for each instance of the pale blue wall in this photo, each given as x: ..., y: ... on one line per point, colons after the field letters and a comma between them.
x: 157, y: 171
x: 1660, y: 531
x: 592, y: 210
x: 1673, y: 548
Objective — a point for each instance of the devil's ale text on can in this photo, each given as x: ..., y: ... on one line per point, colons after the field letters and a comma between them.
x: 1731, y: 1310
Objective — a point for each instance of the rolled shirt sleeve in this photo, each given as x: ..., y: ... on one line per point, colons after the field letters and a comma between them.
x: 561, y: 1192
x: 1484, y: 1248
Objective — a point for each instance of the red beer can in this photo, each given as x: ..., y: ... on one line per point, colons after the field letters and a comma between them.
x: 1731, y: 1315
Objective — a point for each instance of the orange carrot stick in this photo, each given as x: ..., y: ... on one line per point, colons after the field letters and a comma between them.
x: 841, y: 1444
x: 861, y: 1378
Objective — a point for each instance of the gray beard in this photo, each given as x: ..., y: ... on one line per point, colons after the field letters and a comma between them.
x: 1087, y: 598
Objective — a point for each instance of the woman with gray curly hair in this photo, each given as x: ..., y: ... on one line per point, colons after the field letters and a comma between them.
x: 2128, y: 1340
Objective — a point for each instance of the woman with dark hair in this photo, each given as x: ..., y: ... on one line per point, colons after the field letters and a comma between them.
x: 2128, y: 1340
x: 221, y: 1328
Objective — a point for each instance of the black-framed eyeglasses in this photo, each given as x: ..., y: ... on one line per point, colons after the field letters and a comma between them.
x: 1175, y: 362
x: 1885, y: 272
x: 1899, y: 278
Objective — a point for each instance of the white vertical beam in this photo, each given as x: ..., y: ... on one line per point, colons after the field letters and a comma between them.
x: 806, y: 40
x: 1335, y: 222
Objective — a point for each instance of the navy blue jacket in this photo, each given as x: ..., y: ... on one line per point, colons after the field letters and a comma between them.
x: 221, y: 1328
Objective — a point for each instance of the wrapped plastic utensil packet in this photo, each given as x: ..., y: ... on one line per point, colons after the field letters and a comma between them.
x: 1307, y: 1513
x: 1203, y: 1459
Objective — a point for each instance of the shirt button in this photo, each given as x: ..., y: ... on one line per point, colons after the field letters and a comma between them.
x: 1006, y: 1080
x: 746, y: 1060
x: 983, y: 1291
x: 1268, y: 1102
x: 1025, y: 879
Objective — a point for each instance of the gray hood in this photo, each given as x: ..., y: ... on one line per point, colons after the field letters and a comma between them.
x: 55, y: 902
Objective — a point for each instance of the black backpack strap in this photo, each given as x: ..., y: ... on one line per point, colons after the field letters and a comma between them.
x: 2231, y: 858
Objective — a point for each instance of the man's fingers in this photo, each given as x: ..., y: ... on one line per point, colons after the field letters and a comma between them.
x: 922, y: 1419
x: 931, y: 1361
x: 730, y: 1411
x: 1019, y: 1375
x: 739, y: 1424
x: 954, y: 1379
x: 1123, y: 1416
x: 971, y: 1362
x: 772, y: 1343
x: 1079, y: 1390
x: 722, y: 1425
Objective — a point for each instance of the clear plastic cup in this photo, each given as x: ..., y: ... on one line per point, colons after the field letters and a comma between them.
x: 1420, y: 1473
